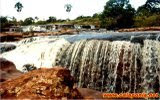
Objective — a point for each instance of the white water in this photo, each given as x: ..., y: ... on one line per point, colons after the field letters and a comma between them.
x: 117, y: 66
x: 39, y: 52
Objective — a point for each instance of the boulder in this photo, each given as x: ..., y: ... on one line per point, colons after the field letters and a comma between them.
x: 6, y: 47
x: 52, y: 83
x: 8, y: 70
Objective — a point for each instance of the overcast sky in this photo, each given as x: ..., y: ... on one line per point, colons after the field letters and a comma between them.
x: 45, y: 8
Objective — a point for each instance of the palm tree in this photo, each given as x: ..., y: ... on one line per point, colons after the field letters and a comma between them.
x: 36, y: 18
x: 68, y: 8
x: 19, y: 6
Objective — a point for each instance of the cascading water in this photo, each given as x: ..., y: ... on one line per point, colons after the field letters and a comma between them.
x: 151, y: 66
x: 118, y: 66
x: 39, y: 52
x: 116, y: 62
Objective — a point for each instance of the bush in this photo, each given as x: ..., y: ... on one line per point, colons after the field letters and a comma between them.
x: 143, y: 21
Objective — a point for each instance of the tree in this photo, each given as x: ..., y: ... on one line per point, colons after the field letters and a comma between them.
x: 82, y: 17
x: 149, y: 8
x: 19, y: 6
x: 36, y: 18
x: 51, y: 19
x: 68, y: 7
x: 13, y: 20
x: 117, y: 14
x: 28, y: 21
x: 96, y: 15
x: 153, y: 3
x: 3, y: 21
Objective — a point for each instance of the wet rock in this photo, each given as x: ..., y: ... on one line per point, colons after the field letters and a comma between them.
x: 6, y: 47
x: 53, y: 83
x: 29, y: 67
x: 8, y: 70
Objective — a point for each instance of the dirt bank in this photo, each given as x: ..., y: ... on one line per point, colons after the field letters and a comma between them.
x: 140, y: 29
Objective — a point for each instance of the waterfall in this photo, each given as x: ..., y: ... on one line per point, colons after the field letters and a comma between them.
x: 115, y: 62
x: 118, y: 66
x: 39, y: 52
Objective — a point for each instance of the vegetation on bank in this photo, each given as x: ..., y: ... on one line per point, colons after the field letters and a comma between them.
x: 120, y: 14
x: 117, y: 14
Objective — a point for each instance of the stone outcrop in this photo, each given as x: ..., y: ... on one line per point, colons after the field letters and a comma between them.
x: 53, y: 83
x: 6, y: 47
x: 8, y: 70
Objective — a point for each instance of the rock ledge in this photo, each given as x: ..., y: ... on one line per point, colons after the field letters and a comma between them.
x: 53, y: 83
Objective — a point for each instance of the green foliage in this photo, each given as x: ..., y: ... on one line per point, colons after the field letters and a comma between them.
x: 18, y: 6
x: 109, y: 23
x: 51, y: 19
x: 13, y: 21
x: 117, y: 14
x: 83, y: 17
x: 28, y: 21
x: 68, y: 7
x: 148, y: 14
x: 60, y: 20
x: 143, y: 21
x: 86, y: 20
x: 36, y: 18
x: 96, y: 15
x: 149, y: 8
x: 41, y: 22
x: 4, y: 21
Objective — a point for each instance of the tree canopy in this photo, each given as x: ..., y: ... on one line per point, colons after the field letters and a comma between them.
x: 18, y: 6
x: 150, y: 7
x: 117, y: 14
x: 51, y: 19
x: 28, y: 21
x: 68, y: 7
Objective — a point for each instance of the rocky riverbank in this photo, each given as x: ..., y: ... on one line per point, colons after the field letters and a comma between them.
x: 140, y: 29
x: 8, y: 70
x: 16, y: 36
x: 52, y: 83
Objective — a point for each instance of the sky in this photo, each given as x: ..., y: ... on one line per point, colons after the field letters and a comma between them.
x: 45, y: 8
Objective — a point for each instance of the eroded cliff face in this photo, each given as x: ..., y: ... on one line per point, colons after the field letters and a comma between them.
x: 53, y: 83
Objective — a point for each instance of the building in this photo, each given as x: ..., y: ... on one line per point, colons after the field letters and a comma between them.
x: 15, y: 29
